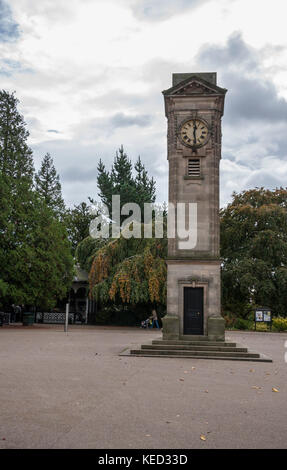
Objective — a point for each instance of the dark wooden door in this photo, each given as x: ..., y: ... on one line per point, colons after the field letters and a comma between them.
x: 193, y: 311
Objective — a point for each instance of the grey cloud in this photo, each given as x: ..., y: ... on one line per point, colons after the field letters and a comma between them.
x: 254, y: 136
x: 253, y: 99
x: 157, y: 10
x: 117, y: 99
x: 55, y: 11
x: 107, y: 126
x: 124, y: 120
x: 9, y: 29
x: 236, y: 53
x: 74, y: 174
x: 251, y: 96
x: 263, y: 178
x: 158, y: 73
x: 238, y: 180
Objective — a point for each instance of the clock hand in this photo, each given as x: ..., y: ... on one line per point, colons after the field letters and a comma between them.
x: 194, y: 132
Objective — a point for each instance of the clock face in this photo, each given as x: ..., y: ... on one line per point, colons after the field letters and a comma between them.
x: 194, y: 133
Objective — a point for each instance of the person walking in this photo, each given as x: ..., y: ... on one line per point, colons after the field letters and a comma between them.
x: 154, y: 318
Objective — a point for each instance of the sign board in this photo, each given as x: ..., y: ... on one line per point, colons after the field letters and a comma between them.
x: 267, y: 316
x: 258, y: 315
x: 263, y: 315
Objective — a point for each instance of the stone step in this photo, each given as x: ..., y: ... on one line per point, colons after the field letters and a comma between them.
x: 193, y: 343
x: 169, y: 352
x: 175, y: 347
x: 191, y: 356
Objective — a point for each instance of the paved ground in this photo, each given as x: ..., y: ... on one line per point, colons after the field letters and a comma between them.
x: 74, y: 391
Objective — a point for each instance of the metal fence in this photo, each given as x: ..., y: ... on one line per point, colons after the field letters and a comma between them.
x: 4, y: 318
x: 48, y: 317
x: 58, y: 317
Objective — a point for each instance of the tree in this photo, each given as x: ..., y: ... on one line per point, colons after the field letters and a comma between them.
x: 130, y: 271
x: 39, y: 269
x: 49, y: 260
x: 16, y: 159
x: 36, y: 264
x: 254, y: 250
x: 78, y: 221
x: 48, y: 185
x: 86, y: 251
x: 120, y: 181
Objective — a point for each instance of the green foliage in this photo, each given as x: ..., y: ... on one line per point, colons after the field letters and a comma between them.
x: 77, y: 221
x: 279, y: 324
x: 86, y: 250
x: 16, y: 159
x: 254, y: 249
x: 48, y: 186
x: 241, y: 324
x: 120, y: 181
x: 130, y: 271
x: 35, y: 256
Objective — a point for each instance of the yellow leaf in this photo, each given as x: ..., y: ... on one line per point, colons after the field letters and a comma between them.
x: 202, y: 437
x: 274, y: 389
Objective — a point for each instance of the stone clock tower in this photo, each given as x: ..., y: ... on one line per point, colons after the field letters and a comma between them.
x: 194, y: 106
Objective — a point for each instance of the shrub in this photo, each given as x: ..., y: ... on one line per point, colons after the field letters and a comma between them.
x: 279, y: 324
x: 229, y: 319
x: 262, y: 326
x: 241, y: 324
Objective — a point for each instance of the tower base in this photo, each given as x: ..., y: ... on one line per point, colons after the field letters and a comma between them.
x: 193, y: 301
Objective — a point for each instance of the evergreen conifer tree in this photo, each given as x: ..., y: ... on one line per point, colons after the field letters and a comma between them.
x: 35, y: 258
x: 16, y: 160
x: 121, y: 181
x: 48, y: 186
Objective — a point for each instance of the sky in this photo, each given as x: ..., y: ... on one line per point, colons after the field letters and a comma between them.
x: 89, y: 76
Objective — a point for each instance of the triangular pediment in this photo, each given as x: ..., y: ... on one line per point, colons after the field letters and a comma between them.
x: 194, y: 85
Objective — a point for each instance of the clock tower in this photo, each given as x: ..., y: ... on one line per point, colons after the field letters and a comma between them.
x: 194, y: 107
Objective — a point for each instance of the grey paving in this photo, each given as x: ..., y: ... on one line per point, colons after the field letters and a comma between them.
x: 75, y: 391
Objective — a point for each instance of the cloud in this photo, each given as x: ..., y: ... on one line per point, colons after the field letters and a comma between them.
x: 251, y: 95
x: 9, y: 67
x: 97, y: 69
x: 235, y: 54
x: 254, y: 126
x: 76, y: 162
x: 254, y: 99
x: 124, y: 120
x: 157, y: 10
x: 9, y: 29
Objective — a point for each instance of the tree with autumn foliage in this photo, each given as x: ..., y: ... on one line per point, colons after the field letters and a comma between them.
x: 130, y: 272
x: 254, y: 251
